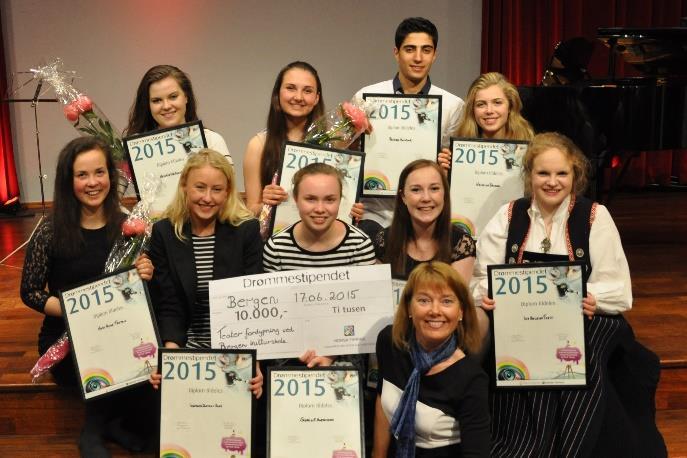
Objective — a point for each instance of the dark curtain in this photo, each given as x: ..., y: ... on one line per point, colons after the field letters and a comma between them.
x: 9, y: 186
x: 518, y: 37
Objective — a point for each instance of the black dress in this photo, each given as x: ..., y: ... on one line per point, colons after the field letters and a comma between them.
x: 44, y: 267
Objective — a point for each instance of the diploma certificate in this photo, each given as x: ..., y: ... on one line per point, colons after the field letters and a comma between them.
x: 162, y: 154
x: 298, y: 155
x: 206, y: 408
x: 315, y: 412
x: 538, y: 327
x: 404, y: 128
x: 485, y: 174
x: 335, y: 311
x: 112, y: 332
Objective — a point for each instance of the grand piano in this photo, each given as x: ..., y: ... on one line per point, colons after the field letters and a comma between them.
x: 616, y: 116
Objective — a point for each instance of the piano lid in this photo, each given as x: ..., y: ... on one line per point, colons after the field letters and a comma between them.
x: 653, y: 51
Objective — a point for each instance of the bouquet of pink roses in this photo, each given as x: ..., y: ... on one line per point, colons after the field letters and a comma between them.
x: 136, y: 230
x: 338, y: 128
x: 85, y: 115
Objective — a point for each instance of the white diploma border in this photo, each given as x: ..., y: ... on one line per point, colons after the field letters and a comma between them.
x: 467, y: 221
x: 582, y: 322
x: 75, y: 357
x: 437, y: 148
x: 203, y: 352
x: 304, y: 370
x: 151, y: 134
x: 355, y: 182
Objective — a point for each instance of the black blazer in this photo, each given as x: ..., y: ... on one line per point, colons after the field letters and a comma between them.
x: 238, y: 251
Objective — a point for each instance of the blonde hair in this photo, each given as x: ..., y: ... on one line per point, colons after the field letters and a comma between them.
x: 517, y: 127
x: 437, y: 275
x: 233, y: 212
x: 546, y: 141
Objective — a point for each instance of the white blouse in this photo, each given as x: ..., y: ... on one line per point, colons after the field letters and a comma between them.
x: 609, y: 281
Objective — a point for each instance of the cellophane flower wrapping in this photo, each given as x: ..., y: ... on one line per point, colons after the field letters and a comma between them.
x: 340, y: 127
x: 266, y: 214
x: 136, y: 229
x: 134, y: 238
x: 85, y: 116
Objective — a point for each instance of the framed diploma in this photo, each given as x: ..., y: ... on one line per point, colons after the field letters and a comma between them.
x: 112, y: 332
x: 485, y: 174
x: 334, y: 310
x: 314, y: 412
x: 162, y: 154
x: 206, y: 408
x: 538, y: 329
x: 296, y: 156
x: 405, y: 127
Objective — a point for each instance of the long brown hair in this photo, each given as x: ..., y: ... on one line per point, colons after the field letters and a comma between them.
x: 140, y: 118
x: 66, y: 209
x: 401, y: 229
x: 276, y: 123
x: 437, y: 275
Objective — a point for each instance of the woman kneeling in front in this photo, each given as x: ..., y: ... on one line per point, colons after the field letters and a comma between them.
x: 432, y: 399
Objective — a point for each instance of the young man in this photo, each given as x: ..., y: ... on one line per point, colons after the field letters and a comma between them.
x: 415, y: 52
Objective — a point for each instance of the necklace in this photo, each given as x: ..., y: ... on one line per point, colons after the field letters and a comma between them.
x: 545, y: 245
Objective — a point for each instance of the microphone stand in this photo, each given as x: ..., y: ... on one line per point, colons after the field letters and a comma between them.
x: 34, y: 104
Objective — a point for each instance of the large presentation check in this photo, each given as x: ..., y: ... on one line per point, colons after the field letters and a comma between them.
x: 538, y: 326
x: 335, y: 311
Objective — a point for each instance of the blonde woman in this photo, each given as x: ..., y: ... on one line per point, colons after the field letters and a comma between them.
x: 492, y: 111
x: 206, y: 233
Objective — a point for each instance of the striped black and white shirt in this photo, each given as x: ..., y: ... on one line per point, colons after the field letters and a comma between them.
x: 282, y: 252
x: 204, y: 254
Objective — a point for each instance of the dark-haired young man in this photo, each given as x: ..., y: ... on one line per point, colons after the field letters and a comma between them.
x: 415, y: 51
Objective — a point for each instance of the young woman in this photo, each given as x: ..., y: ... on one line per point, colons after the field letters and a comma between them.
x: 165, y: 99
x: 421, y: 228
x: 72, y: 246
x: 554, y: 222
x: 319, y: 239
x: 492, y: 110
x: 432, y: 399
x: 295, y: 102
x: 206, y: 233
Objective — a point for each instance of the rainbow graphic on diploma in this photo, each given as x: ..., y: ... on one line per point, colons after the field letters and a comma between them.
x: 509, y: 368
x: 464, y: 223
x: 173, y: 451
x: 96, y: 379
x: 376, y: 181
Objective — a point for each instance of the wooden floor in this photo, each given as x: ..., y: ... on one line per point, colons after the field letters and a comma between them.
x: 42, y: 420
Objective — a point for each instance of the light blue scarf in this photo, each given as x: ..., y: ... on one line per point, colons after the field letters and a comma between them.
x: 403, y: 422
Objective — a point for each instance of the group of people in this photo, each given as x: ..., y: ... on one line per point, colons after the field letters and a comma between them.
x: 433, y: 398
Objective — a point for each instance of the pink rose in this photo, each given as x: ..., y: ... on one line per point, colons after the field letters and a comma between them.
x: 133, y: 227
x: 73, y: 109
x: 71, y: 112
x: 356, y: 115
x: 84, y: 103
